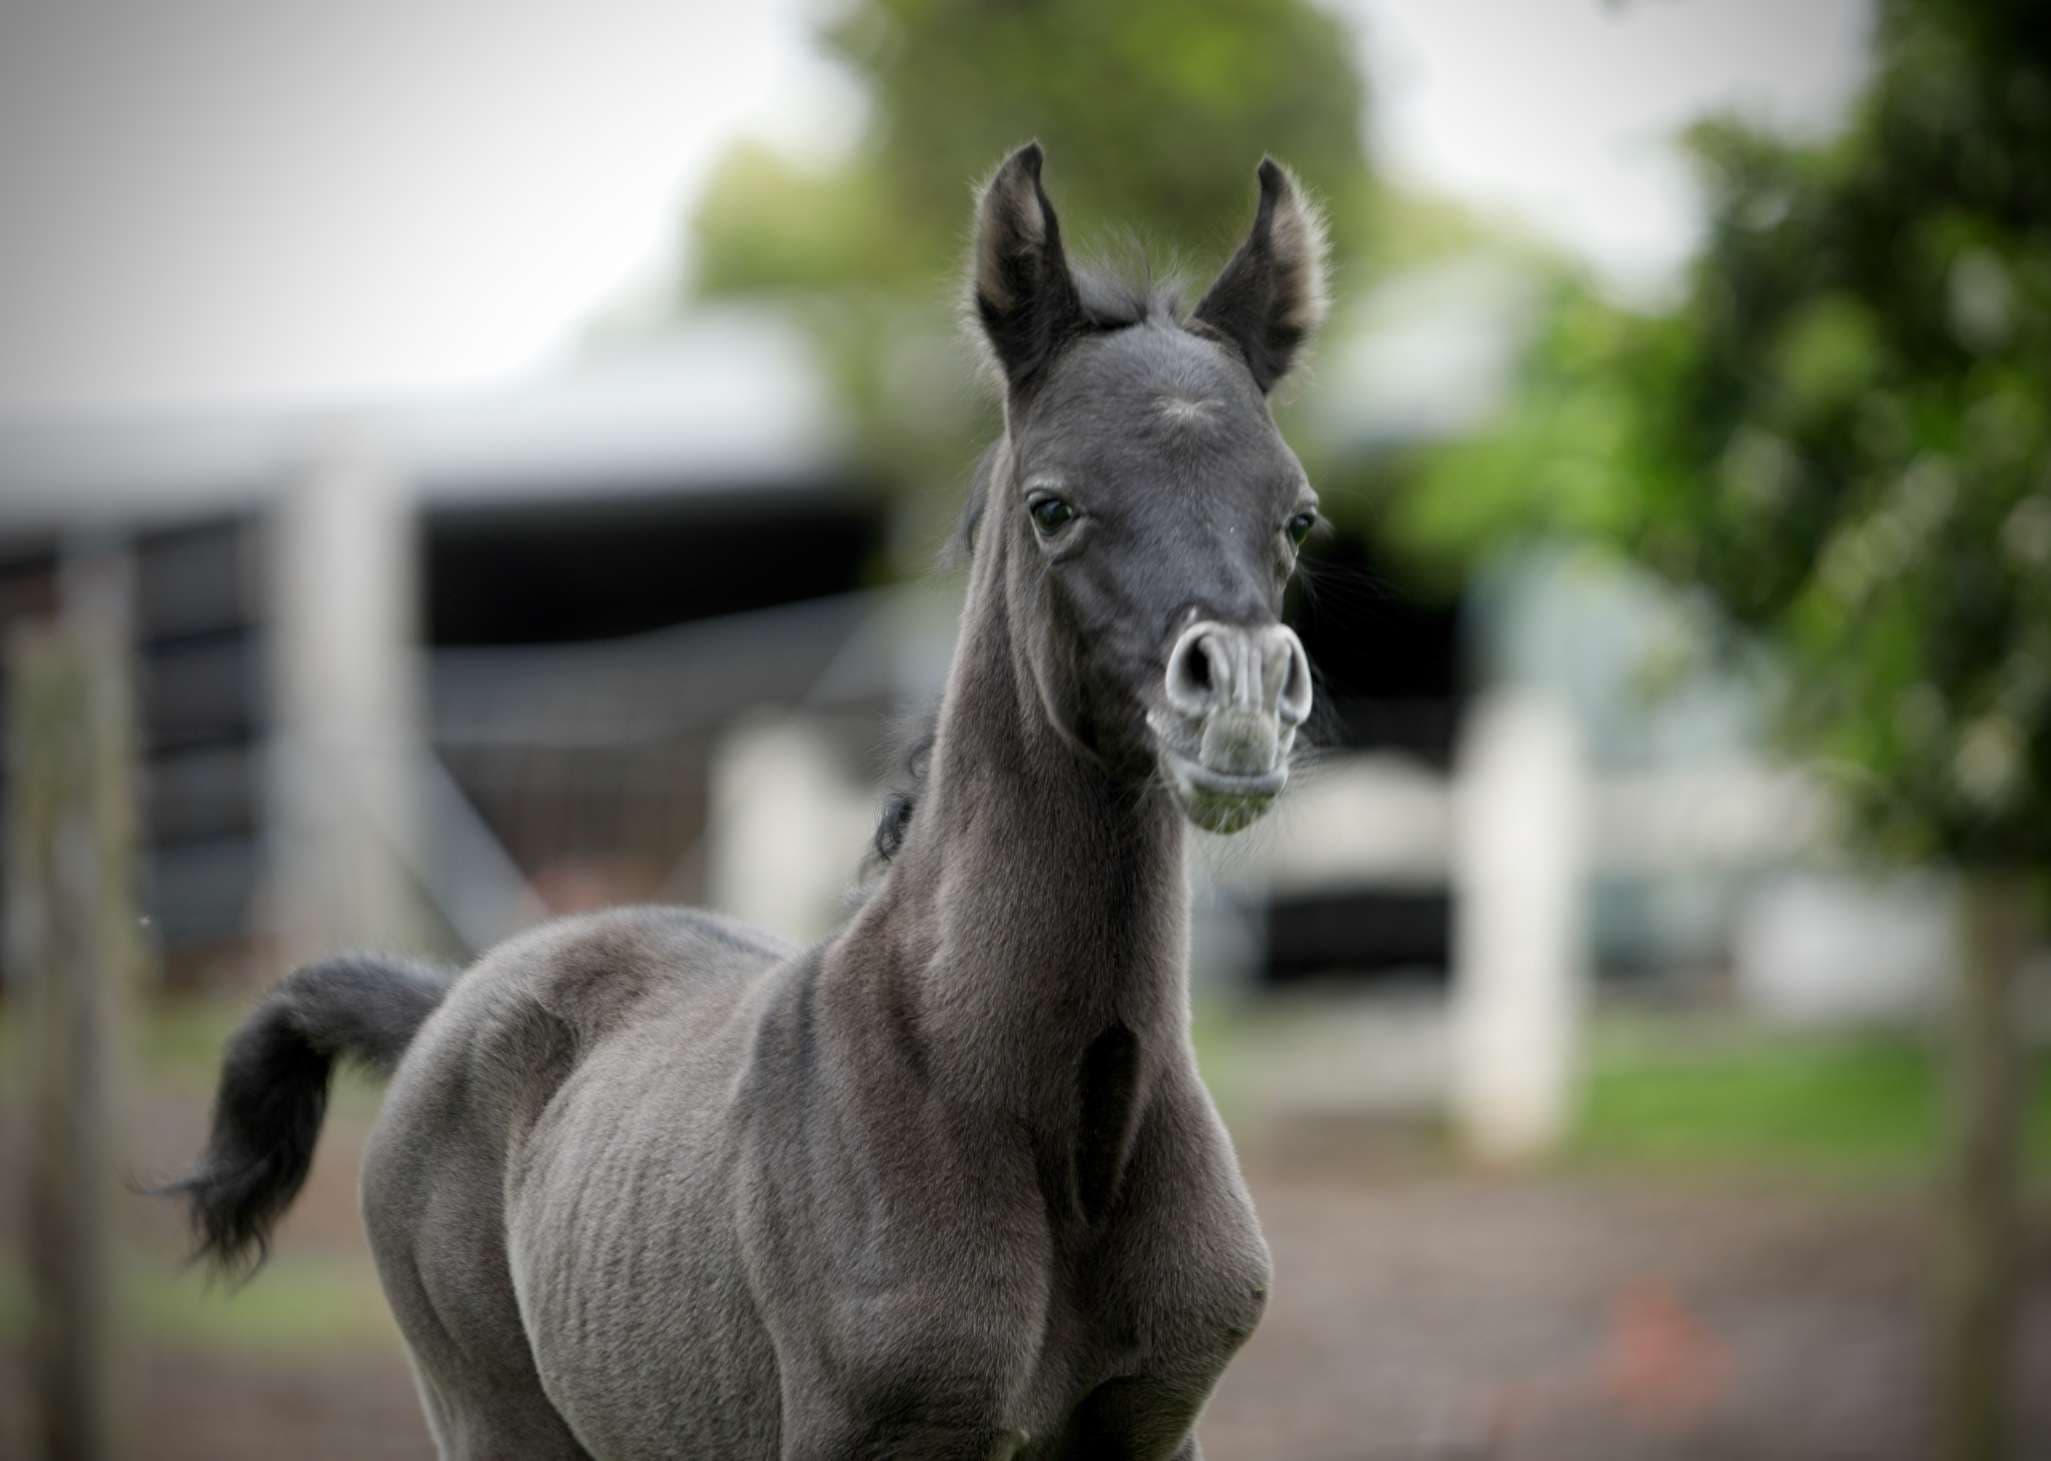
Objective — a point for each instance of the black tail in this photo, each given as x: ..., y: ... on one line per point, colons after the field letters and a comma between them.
x: 274, y: 1091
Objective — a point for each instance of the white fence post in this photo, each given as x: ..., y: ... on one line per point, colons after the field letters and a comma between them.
x: 1519, y: 880
x: 346, y: 708
x: 786, y: 828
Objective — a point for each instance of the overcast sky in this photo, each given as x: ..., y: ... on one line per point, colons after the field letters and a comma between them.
x: 316, y: 199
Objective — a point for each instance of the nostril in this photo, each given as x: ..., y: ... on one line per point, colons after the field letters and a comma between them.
x: 1192, y: 674
x: 1296, y: 690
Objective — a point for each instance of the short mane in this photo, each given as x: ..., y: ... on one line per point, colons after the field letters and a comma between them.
x: 1114, y: 296
x: 1117, y: 298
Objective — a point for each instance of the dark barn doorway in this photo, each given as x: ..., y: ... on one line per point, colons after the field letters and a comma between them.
x: 1392, y: 678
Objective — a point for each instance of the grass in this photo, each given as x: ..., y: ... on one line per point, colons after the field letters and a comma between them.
x: 1852, y: 1104
x: 176, y: 1046
x: 301, y: 1303
x: 176, y: 1041
x: 1663, y: 1094
x: 298, y: 1306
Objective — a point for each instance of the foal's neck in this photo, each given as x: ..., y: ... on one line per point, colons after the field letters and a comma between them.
x: 1039, y: 901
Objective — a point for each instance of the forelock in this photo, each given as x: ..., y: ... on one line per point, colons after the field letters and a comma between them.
x: 1115, y: 299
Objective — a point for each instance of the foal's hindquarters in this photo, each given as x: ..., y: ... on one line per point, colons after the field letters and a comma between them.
x: 451, y: 1179
x: 641, y: 1190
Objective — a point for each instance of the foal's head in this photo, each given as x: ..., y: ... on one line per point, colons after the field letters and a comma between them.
x: 1150, y: 509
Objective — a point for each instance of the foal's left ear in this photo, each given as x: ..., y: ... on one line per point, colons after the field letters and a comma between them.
x: 1272, y: 294
x: 1024, y: 296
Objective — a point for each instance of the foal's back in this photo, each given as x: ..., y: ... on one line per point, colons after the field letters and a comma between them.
x: 604, y: 1035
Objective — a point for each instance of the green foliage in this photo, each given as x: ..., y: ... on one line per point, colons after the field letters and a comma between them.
x: 769, y: 223
x: 1153, y: 111
x: 1842, y: 433
x: 1153, y: 114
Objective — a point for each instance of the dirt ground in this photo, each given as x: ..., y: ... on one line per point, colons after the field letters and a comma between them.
x: 1581, y: 1318
x: 1419, y: 1311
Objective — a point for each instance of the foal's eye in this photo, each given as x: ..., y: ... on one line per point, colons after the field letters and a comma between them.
x: 1050, y: 513
x: 1300, y: 525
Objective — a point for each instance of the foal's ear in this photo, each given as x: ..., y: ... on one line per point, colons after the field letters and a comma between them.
x: 1272, y: 294
x: 1024, y: 297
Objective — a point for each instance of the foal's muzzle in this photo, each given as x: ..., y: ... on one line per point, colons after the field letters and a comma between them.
x: 1233, y: 700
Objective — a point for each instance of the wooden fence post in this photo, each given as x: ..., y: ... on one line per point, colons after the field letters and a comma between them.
x: 73, y: 949
x: 1979, y: 1267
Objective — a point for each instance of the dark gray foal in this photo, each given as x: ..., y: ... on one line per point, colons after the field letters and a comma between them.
x: 649, y: 1184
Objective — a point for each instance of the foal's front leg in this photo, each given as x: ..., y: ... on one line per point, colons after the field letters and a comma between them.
x: 1136, y: 1418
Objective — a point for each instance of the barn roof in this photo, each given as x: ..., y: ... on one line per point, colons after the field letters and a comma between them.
x: 733, y: 398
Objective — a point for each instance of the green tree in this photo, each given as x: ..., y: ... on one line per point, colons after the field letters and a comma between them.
x: 1843, y: 434
x: 1153, y: 112
x: 1154, y: 115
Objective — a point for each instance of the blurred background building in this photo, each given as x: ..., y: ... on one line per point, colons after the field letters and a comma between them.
x: 472, y: 651
x: 524, y: 438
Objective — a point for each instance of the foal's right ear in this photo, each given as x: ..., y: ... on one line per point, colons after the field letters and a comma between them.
x: 1025, y: 298
x: 1271, y: 297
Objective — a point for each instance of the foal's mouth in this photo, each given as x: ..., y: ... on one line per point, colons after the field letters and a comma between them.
x: 1219, y: 801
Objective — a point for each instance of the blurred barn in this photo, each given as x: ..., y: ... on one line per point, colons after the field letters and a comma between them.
x: 416, y: 673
